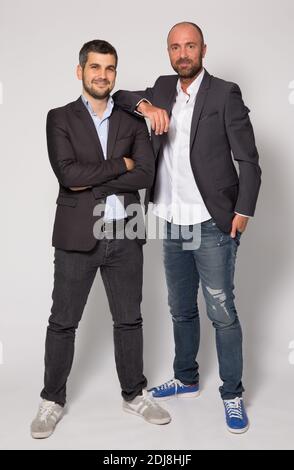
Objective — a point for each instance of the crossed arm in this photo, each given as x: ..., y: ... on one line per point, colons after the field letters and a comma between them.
x: 130, y: 164
x: 122, y: 174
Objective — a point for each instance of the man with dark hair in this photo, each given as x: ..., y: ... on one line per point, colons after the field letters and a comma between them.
x: 101, y: 157
x: 99, y: 46
x: 198, y: 122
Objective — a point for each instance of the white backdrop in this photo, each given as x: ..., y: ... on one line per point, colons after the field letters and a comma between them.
x: 251, y: 43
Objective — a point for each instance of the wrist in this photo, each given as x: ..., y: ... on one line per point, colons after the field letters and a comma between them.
x: 141, y: 106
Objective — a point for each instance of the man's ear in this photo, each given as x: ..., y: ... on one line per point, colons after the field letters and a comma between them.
x: 79, y: 72
x: 204, y: 50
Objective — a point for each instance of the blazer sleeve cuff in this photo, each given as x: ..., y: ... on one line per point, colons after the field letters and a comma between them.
x: 138, y: 112
x: 243, y: 215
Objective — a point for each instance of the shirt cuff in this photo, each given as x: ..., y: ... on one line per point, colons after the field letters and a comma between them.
x: 243, y: 215
x: 138, y: 112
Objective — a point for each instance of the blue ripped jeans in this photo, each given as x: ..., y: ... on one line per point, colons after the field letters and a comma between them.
x: 210, y: 258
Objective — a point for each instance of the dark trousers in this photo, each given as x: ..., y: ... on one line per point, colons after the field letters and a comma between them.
x: 121, y: 266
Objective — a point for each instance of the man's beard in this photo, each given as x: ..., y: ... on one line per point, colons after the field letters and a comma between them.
x: 98, y: 95
x: 189, y: 72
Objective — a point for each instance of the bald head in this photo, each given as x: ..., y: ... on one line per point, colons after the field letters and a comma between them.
x: 187, y: 25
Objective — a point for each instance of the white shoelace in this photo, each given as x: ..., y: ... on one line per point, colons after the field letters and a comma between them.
x: 46, y: 409
x: 234, y: 408
x: 173, y: 382
x: 148, y: 400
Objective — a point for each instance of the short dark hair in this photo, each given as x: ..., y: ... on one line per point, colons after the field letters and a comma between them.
x: 97, y: 45
x: 191, y: 24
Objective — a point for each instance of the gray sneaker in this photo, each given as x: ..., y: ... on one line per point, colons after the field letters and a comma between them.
x: 49, y: 414
x: 144, y: 406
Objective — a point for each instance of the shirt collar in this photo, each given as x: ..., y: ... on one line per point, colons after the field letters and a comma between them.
x: 107, y: 112
x: 192, y: 89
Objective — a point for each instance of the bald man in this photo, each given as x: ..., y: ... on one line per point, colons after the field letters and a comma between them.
x: 199, y: 126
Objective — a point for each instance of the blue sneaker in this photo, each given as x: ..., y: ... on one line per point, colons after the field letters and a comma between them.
x: 174, y: 388
x: 236, y: 416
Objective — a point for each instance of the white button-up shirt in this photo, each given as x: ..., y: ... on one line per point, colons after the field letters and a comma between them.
x: 177, y: 198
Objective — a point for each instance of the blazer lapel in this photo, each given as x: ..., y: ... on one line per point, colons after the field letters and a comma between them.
x: 114, y: 122
x: 84, y: 115
x: 199, y: 103
x: 171, y: 97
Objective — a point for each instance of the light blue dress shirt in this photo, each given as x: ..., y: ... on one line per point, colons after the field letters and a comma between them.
x: 114, y: 210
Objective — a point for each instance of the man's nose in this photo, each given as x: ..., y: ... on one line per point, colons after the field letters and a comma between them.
x: 102, y: 74
x: 183, y: 53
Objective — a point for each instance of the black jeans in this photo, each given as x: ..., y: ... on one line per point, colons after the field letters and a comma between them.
x: 121, y: 266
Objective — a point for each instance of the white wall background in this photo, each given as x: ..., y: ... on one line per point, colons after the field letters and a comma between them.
x: 251, y: 43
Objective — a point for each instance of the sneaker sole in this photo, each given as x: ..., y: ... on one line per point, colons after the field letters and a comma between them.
x: 238, y: 431
x: 41, y: 435
x: 44, y: 435
x: 178, y: 395
x: 153, y: 421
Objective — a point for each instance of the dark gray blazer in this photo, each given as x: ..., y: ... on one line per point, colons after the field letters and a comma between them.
x: 77, y: 159
x: 220, y: 128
